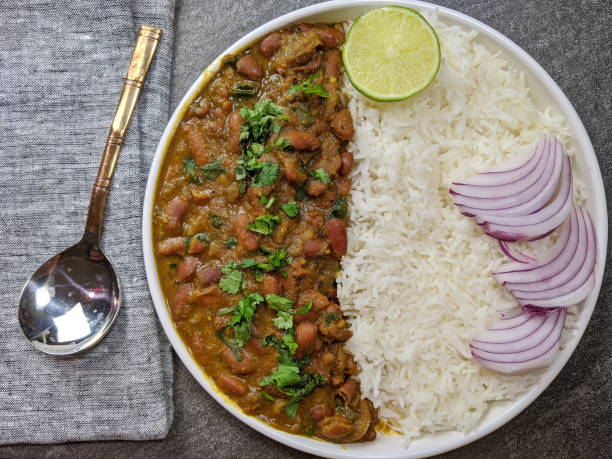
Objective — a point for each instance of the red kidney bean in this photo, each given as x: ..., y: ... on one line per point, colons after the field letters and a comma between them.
x: 305, y: 335
x: 304, y: 141
x: 342, y: 124
x: 270, y: 44
x: 249, y: 67
x: 234, y: 121
x: 347, y: 162
x: 336, y: 235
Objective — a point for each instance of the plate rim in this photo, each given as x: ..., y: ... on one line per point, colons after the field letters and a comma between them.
x: 329, y: 449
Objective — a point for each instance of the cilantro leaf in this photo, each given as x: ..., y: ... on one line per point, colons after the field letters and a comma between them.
x: 289, y: 342
x: 321, y: 174
x: 260, y: 120
x: 231, y: 243
x: 245, y: 90
x: 241, y: 322
x: 339, y: 209
x: 264, y: 224
x: 215, y: 221
x: 283, y: 320
x: 212, y: 171
x: 279, y: 303
x: 291, y: 209
x: 266, y: 175
x: 291, y: 408
x: 308, y: 88
x: 266, y: 201
x: 304, y: 309
x: 283, y: 375
x: 283, y: 143
x: 231, y: 282
x: 191, y: 169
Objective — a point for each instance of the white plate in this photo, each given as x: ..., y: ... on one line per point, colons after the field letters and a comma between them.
x: 544, y: 91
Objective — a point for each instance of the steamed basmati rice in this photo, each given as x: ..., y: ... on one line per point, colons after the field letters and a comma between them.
x: 415, y: 282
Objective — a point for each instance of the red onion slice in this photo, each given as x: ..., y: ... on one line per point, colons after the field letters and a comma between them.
x: 536, y: 225
x: 573, y: 274
x: 520, y: 331
x: 514, y: 253
x: 568, y: 299
x: 538, y: 356
x: 501, y: 175
x: 506, y: 193
x: 523, y: 202
x: 520, y: 344
x: 515, y: 272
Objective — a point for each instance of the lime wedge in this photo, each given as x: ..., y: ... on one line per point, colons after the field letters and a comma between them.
x: 391, y: 53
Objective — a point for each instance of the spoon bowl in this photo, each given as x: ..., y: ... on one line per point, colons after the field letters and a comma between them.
x: 71, y: 301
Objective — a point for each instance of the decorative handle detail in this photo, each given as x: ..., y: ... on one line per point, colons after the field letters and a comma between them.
x: 144, y: 51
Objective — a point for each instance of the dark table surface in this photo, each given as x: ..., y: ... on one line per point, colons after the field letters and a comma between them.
x: 572, y: 40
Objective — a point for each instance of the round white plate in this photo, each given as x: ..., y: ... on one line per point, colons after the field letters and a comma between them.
x: 544, y: 91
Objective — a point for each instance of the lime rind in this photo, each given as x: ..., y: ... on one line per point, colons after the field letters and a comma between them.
x: 359, y: 60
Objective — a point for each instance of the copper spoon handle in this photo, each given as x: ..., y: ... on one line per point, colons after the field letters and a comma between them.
x: 144, y: 50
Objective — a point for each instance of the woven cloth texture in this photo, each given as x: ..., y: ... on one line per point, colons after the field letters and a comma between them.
x: 61, y: 69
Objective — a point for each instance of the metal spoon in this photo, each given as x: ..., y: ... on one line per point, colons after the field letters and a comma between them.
x: 72, y: 300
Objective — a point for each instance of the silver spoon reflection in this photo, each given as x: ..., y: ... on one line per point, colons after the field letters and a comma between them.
x: 72, y: 300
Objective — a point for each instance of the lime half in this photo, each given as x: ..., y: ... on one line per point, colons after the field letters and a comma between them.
x: 391, y: 53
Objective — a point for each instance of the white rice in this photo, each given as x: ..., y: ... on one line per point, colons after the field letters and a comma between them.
x: 415, y: 282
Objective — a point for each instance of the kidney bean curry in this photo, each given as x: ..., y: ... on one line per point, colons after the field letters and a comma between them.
x: 250, y: 225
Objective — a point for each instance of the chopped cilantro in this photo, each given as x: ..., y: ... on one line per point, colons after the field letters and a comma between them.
x: 202, y: 237
x: 264, y: 224
x: 304, y: 309
x: 321, y: 174
x: 308, y: 88
x: 266, y: 175
x: 279, y: 303
x: 231, y: 282
x: 310, y: 430
x: 291, y: 209
x: 210, y: 171
x: 285, y: 374
x: 191, y: 169
x: 260, y: 120
x: 283, y: 143
x: 283, y: 320
x: 266, y: 201
x: 241, y: 322
x: 245, y: 90
x: 231, y: 243
x: 215, y: 221
x: 339, y: 209
x: 289, y: 342
x: 172, y: 265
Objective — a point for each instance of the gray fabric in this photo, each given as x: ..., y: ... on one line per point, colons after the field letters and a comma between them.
x: 61, y: 69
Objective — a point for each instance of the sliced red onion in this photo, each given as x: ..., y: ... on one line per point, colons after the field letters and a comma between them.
x: 571, y: 298
x: 570, y: 276
x: 566, y: 273
x: 515, y: 272
x: 509, y: 334
x: 514, y: 253
x: 524, y: 343
x: 524, y: 202
x: 501, y: 175
x: 538, y: 224
x: 505, y: 193
x: 524, y: 353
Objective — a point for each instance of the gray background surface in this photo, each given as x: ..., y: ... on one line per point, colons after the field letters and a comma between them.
x: 572, y: 40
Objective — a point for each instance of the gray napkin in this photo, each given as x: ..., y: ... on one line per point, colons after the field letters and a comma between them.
x: 61, y: 69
